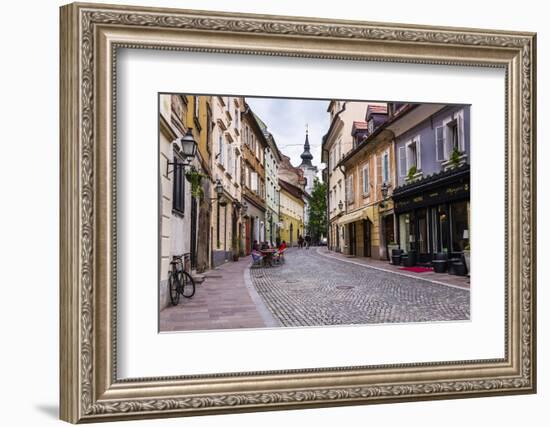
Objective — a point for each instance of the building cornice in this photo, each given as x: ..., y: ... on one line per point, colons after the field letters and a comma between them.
x: 167, y: 129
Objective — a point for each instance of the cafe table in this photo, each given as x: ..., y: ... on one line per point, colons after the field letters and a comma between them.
x: 268, y: 256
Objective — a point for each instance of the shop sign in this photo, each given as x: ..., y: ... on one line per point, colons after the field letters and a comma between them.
x: 442, y: 195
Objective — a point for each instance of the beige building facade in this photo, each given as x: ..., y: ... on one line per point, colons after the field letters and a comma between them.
x: 180, y: 229
x: 226, y: 224
x: 368, y: 220
x: 337, y: 142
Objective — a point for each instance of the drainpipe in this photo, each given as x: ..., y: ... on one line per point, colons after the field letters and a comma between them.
x: 327, y: 182
x: 343, y: 170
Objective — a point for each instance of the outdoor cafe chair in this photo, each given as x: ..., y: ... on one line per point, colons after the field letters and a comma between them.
x: 257, y: 259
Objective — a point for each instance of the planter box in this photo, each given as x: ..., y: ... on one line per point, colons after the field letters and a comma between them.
x: 448, y: 164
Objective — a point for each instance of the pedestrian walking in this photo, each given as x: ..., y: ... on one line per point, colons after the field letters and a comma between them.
x: 300, y: 241
x: 308, y: 241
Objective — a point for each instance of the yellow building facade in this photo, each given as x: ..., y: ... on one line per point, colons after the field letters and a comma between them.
x: 291, y: 213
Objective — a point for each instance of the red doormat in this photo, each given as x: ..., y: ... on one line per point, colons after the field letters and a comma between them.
x: 417, y: 269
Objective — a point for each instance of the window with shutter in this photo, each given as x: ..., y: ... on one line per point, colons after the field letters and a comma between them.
x: 196, y: 112
x: 254, y: 181
x: 178, y: 189
x: 460, y: 129
x: 349, y: 189
x: 418, y: 153
x: 439, y: 143
x: 375, y: 174
x: 366, y: 179
x: 379, y: 177
x: 448, y: 140
x: 402, y: 162
x: 386, y: 167
x: 221, y: 150
x: 413, y: 154
x: 229, y: 159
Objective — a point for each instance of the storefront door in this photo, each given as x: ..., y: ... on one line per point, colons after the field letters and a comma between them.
x: 352, y: 243
x: 389, y: 235
x: 422, y: 238
x: 366, y: 238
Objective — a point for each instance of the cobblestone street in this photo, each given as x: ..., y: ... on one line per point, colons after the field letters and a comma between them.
x: 312, y: 289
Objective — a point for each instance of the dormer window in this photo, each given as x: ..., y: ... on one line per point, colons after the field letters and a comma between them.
x: 371, y: 126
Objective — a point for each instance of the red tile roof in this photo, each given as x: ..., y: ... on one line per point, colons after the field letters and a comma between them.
x: 360, y: 125
x: 377, y: 109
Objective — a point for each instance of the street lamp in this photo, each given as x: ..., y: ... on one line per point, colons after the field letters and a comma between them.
x: 188, y: 148
x: 219, y: 193
x: 244, y: 208
x: 188, y: 145
x: 219, y: 188
x: 384, y: 191
x: 340, y: 205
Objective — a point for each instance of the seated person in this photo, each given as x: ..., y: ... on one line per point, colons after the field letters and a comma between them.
x: 256, y: 255
x: 282, y: 246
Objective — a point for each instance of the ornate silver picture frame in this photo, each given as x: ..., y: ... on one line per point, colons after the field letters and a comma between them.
x: 91, y: 36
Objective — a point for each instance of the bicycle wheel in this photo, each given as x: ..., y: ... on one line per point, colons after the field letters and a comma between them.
x: 187, y: 285
x: 173, y: 288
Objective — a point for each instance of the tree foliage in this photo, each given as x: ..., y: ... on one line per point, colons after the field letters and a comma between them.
x: 317, y: 211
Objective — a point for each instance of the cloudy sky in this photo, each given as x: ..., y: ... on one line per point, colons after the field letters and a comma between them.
x: 286, y: 119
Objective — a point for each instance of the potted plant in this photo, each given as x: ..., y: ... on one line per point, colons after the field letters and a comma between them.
x: 194, y: 177
x: 455, y: 157
x: 411, y: 173
x: 391, y: 247
x: 467, y: 256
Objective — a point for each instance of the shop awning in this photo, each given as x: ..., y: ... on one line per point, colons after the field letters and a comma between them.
x: 353, y: 216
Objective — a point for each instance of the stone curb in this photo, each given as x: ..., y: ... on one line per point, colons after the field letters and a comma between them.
x: 394, y: 272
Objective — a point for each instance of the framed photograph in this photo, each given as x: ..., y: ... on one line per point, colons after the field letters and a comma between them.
x: 268, y: 212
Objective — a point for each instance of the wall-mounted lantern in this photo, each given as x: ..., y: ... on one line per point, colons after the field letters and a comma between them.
x: 384, y: 191
x: 188, y: 147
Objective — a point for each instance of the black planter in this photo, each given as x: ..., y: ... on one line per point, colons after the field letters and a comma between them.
x: 396, y: 259
x: 459, y: 268
x: 410, y: 260
x: 440, y: 266
x: 451, y: 265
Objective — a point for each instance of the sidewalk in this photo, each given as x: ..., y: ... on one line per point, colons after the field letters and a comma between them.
x: 225, y: 300
x: 430, y: 276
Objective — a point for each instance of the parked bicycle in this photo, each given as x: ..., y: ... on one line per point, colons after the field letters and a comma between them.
x: 179, y: 280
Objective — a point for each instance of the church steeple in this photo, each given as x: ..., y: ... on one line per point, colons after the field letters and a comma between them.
x: 306, y: 155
